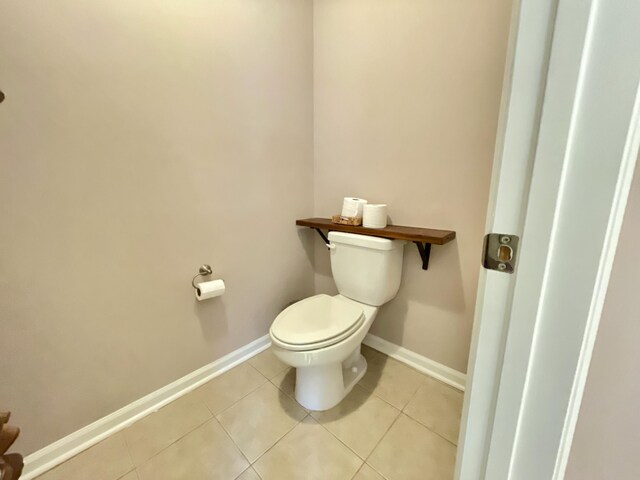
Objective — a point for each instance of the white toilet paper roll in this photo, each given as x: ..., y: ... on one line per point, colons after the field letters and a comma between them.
x: 352, y: 207
x: 374, y: 215
x: 211, y: 289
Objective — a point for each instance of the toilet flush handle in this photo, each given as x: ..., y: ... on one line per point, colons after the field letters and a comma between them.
x: 331, y: 246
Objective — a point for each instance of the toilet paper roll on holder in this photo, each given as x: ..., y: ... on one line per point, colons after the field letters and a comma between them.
x: 202, y: 271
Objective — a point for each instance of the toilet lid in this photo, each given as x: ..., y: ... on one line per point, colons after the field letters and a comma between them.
x: 316, y: 319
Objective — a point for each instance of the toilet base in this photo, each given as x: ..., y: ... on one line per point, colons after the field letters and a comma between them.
x: 323, y: 387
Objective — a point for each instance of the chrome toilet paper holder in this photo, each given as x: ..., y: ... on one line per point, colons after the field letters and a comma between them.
x: 202, y: 271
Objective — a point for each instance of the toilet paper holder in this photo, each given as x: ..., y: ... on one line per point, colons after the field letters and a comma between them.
x: 202, y: 271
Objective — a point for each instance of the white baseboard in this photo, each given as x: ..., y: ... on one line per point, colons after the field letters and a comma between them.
x: 52, y: 455
x: 434, y: 369
x: 45, y: 459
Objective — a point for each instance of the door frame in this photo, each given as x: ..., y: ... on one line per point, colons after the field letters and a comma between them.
x: 534, y: 332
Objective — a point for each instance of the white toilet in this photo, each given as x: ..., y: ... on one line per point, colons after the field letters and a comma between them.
x: 321, y: 335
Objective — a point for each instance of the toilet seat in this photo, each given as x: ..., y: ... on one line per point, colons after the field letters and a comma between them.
x: 316, y: 322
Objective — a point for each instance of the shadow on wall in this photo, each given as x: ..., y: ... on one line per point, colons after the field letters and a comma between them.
x: 307, y: 238
x: 441, y: 286
x: 212, y: 315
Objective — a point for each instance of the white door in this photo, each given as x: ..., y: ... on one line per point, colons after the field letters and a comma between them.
x: 565, y: 153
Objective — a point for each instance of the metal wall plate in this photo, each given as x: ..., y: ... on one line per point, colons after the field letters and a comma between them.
x: 500, y: 252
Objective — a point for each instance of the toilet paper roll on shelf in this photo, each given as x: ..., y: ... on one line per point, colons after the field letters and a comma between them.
x: 353, y: 207
x: 210, y: 289
x: 374, y: 215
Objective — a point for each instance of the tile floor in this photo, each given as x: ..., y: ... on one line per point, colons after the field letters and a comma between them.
x: 397, y: 424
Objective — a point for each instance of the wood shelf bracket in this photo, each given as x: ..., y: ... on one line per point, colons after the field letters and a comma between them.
x: 425, y: 252
x: 324, y: 237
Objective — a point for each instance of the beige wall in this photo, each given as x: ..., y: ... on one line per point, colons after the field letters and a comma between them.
x: 406, y: 106
x: 607, y: 436
x: 139, y: 140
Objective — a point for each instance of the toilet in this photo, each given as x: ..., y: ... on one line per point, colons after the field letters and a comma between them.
x: 321, y: 335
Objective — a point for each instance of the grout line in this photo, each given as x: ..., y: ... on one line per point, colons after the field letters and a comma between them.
x: 287, y: 367
x: 378, y: 444
x: 268, y: 349
x: 248, y: 363
x: 241, y: 398
x: 418, y: 421
x: 277, y: 442
x: 430, y: 429
x: 172, y: 443
x: 369, y: 465
x: 384, y: 399
x: 336, y: 437
x: 196, y: 400
x: 289, y: 396
x: 234, y: 442
x: 214, y: 417
x: 128, y: 448
x: 273, y: 376
x: 401, y: 412
x: 383, y: 436
x: 357, y: 471
x: 121, y: 477
x: 267, y: 381
x: 245, y: 471
x: 412, y: 397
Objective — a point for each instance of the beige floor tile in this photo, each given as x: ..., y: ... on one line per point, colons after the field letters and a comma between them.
x: 389, y: 379
x: 372, y: 355
x: 438, y: 407
x: 367, y: 473
x: 228, y: 388
x: 410, y: 451
x: 286, y: 381
x: 268, y: 364
x: 132, y: 475
x: 308, y: 452
x: 359, y: 421
x: 260, y: 419
x: 207, y: 453
x: 108, y: 460
x: 249, y: 474
x: 159, y: 430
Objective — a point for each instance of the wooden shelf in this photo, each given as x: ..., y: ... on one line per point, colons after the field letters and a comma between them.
x: 422, y: 237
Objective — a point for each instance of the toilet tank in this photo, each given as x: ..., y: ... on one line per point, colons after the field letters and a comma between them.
x: 366, y: 269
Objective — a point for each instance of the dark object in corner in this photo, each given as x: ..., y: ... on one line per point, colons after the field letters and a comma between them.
x: 11, y: 464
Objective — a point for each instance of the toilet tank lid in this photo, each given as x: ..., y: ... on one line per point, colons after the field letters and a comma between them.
x: 366, y: 241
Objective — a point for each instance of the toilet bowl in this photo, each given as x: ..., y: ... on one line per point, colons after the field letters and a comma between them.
x: 327, y: 369
x: 321, y: 335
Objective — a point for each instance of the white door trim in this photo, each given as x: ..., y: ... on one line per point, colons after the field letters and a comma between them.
x: 559, y: 109
x: 520, y: 111
x: 621, y: 194
x: 586, y: 149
